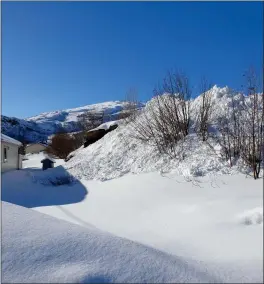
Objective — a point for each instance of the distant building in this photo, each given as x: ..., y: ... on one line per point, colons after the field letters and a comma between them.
x: 35, y: 148
x: 11, y: 159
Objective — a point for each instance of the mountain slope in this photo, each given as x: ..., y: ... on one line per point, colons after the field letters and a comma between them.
x: 39, y: 127
x: 22, y: 130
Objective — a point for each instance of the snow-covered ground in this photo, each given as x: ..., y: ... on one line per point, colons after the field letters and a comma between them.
x: 34, y: 160
x: 37, y: 248
x: 213, y: 222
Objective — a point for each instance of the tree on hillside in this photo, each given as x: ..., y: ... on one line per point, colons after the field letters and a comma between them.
x: 252, y: 146
x: 242, y: 128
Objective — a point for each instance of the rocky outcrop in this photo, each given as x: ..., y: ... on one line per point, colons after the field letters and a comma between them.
x: 94, y: 135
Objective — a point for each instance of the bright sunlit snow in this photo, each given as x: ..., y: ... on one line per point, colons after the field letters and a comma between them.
x: 196, y: 210
x: 204, y: 222
x: 37, y: 248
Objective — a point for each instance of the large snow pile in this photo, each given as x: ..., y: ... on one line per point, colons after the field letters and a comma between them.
x: 118, y: 152
x: 53, y: 176
x: 38, y: 248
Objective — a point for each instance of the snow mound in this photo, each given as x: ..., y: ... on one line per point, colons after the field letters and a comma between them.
x: 38, y: 248
x: 119, y: 153
x: 53, y: 176
x: 252, y: 217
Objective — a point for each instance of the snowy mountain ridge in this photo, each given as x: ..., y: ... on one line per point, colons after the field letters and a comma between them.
x: 39, y: 127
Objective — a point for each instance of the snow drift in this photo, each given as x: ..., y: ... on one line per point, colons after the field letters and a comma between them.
x: 118, y: 152
x: 38, y: 248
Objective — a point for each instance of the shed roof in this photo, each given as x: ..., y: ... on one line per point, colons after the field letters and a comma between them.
x: 47, y: 158
x: 10, y: 140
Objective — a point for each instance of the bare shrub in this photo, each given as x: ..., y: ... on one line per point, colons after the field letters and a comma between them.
x: 131, y: 106
x: 205, y: 110
x: 166, y: 119
x: 252, y: 134
x: 61, y: 145
x: 241, y: 130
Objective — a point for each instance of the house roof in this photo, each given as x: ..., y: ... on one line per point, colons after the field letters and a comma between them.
x: 10, y: 140
x: 42, y: 144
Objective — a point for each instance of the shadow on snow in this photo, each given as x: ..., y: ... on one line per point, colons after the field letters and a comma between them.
x: 18, y: 187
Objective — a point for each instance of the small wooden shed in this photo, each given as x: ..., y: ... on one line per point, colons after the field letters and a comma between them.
x: 47, y: 163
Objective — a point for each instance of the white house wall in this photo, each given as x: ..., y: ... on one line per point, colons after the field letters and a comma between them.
x: 12, y: 162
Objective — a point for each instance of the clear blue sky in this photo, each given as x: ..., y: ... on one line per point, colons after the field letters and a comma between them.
x: 58, y: 55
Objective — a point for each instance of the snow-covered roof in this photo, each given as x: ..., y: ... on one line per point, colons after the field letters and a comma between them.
x: 42, y: 144
x: 105, y: 125
x: 10, y: 140
x: 47, y: 158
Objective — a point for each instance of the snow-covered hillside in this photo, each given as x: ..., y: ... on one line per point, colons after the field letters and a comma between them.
x: 50, y: 122
x: 21, y: 129
x: 119, y: 153
x: 40, y: 127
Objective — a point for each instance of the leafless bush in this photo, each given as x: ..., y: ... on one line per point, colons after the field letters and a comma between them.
x: 61, y: 145
x: 166, y: 119
x: 252, y: 135
x: 241, y: 130
x: 131, y: 106
x: 205, y: 110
